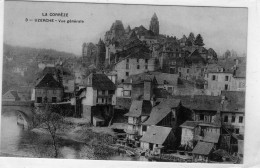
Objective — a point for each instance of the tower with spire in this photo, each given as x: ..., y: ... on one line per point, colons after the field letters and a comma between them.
x: 154, y: 24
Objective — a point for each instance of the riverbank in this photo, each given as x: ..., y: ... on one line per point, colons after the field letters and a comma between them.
x: 95, y: 141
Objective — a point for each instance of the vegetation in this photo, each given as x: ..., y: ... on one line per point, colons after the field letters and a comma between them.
x: 47, y: 119
x: 199, y: 40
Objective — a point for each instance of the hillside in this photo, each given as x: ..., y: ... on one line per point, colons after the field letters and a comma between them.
x: 16, y: 58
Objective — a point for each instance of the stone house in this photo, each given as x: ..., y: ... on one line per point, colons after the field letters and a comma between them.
x: 11, y: 95
x: 138, y: 113
x: 47, y: 89
x: 98, y: 99
x: 157, y: 139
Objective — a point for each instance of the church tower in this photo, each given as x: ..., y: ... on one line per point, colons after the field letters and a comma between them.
x: 101, y: 54
x: 154, y: 24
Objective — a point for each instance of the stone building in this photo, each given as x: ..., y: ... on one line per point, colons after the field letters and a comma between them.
x: 47, y: 89
x: 98, y: 99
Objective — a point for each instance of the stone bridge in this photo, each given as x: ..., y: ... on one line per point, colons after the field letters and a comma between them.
x: 23, y: 109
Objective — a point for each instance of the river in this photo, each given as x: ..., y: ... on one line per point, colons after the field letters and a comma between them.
x: 15, y: 141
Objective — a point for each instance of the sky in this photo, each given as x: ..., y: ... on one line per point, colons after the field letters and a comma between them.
x: 221, y: 28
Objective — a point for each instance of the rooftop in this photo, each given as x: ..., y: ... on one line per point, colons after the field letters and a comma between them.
x: 139, y: 108
x: 156, y: 135
x: 100, y: 81
x: 203, y: 148
x: 48, y: 81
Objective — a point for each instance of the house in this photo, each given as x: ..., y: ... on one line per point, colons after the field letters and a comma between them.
x: 157, y: 139
x: 47, y: 89
x: 163, y: 114
x: 138, y: 113
x: 11, y: 95
x: 233, y: 111
x: 98, y: 99
x: 202, y: 151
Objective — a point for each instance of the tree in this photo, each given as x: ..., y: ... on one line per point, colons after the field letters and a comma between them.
x: 199, y: 40
x: 49, y: 120
x: 191, y: 37
x: 227, y: 54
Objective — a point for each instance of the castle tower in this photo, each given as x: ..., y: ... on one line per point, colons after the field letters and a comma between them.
x: 84, y: 50
x: 154, y: 24
x: 101, y: 54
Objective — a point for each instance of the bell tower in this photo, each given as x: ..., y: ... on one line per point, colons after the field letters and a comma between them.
x: 154, y: 24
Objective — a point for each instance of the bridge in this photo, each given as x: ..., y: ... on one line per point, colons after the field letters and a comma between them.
x: 23, y: 109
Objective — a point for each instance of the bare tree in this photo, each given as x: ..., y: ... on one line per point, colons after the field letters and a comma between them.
x: 47, y: 119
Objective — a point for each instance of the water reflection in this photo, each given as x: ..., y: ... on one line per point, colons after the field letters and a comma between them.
x: 18, y: 142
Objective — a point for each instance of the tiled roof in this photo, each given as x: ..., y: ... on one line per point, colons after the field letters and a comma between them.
x: 11, y: 94
x: 234, y: 101
x: 203, y: 148
x: 190, y: 124
x: 140, y: 108
x: 240, y: 72
x: 195, y: 57
x: 156, y: 135
x: 160, y: 111
x: 201, y: 102
x: 100, y: 82
x: 123, y: 103
x: 48, y: 81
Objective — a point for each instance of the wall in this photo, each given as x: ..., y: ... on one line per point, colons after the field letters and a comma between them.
x: 90, y: 98
x: 236, y: 124
x: 121, y: 67
x: 214, y: 87
x: 187, y: 136
x: 49, y: 93
x: 238, y: 84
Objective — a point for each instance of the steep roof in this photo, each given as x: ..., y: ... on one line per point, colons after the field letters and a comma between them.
x: 100, y: 82
x: 234, y: 101
x: 11, y: 94
x: 139, y: 108
x: 201, y: 102
x: 240, y: 71
x: 156, y: 135
x: 203, y: 148
x: 160, y: 111
x: 48, y: 81
x: 195, y: 57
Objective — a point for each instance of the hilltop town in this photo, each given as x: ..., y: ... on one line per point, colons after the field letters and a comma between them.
x: 166, y: 98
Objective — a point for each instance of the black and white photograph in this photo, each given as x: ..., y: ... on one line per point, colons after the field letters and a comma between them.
x: 124, y: 82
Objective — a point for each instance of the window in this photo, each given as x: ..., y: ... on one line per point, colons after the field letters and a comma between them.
x: 103, y: 92
x: 127, y: 60
x: 226, y: 78
x: 226, y: 119
x: 127, y: 93
x: 54, y: 99
x: 146, y: 61
x: 137, y: 60
x: 240, y: 119
x: 127, y: 66
x: 138, y: 66
x: 111, y: 92
x: 39, y: 99
x: 226, y: 87
x: 127, y: 74
x: 213, y: 77
x: 102, y: 100
x: 233, y: 119
x: 201, y: 117
x: 144, y: 128
x: 188, y: 70
x: 146, y: 66
x: 237, y: 130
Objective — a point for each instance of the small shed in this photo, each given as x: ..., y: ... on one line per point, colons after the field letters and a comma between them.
x: 98, y: 121
x: 202, y: 151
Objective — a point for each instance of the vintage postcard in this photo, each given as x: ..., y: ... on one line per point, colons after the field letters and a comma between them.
x: 124, y: 82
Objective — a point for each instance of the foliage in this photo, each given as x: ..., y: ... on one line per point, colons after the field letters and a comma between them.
x: 191, y: 37
x: 47, y: 119
x: 199, y: 40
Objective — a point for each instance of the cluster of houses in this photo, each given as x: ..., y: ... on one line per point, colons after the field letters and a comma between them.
x: 165, y: 94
